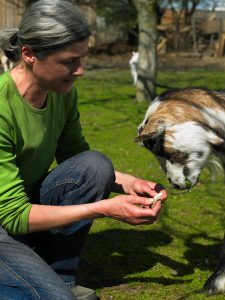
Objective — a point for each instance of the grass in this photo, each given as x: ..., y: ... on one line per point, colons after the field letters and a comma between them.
x: 172, y: 258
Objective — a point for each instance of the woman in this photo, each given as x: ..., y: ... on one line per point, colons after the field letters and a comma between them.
x: 46, y: 215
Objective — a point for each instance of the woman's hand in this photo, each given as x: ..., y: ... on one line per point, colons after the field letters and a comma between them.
x: 131, y: 209
x: 132, y: 185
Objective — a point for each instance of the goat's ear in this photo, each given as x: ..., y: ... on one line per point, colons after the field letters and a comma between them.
x: 142, y: 137
x: 151, y: 131
x: 214, y: 139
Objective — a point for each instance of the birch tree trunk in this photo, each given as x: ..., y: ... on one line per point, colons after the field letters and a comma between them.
x: 147, y: 23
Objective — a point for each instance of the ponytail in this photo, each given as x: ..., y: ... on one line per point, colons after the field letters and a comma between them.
x: 9, y: 44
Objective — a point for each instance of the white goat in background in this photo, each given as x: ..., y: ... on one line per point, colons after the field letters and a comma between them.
x: 5, y: 62
x: 133, y: 62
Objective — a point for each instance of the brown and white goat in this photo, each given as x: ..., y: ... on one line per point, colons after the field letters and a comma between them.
x: 182, y: 128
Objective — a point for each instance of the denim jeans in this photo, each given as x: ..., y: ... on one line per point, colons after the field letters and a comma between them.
x: 43, y: 265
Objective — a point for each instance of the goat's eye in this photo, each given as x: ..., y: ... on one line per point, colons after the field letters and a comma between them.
x: 172, y: 160
x: 156, y: 148
x: 200, y: 154
x: 186, y: 171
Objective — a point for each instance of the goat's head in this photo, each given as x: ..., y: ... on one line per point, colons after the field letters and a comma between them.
x: 182, y: 147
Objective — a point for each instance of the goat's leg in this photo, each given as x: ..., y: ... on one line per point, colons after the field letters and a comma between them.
x: 216, y: 282
x: 134, y: 73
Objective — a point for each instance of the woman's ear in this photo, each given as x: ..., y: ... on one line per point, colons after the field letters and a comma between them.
x: 28, y: 55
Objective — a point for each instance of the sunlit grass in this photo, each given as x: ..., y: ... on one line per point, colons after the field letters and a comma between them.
x: 172, y: 258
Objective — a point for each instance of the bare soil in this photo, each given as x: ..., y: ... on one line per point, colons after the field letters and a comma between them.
x: 180, y: 61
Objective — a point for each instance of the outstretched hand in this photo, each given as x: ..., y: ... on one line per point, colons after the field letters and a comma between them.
x: 132, y: 209
x: 132, y: 185
x: 134, y: 206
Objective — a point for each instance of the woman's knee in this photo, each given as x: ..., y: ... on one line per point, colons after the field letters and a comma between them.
x: 87, y: 176
x: 100, y: 167
x: 101, y: 164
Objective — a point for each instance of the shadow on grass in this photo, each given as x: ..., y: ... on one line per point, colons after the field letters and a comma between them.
x: 115, y: 254
x: 95, y: 101
x: 112, y: 256
x: 201, y: 256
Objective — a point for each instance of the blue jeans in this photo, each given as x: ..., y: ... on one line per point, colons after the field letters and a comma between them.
x: 43, y: 265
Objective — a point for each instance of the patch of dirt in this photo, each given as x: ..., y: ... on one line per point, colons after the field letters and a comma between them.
x: 182, y: 62
x: 102, y: 61
x: 171, y: 61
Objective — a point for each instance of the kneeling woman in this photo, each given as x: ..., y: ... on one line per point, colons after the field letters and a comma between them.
x: 46, y: 215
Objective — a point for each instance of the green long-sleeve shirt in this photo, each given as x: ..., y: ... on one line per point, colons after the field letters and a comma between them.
x: 30, y: 138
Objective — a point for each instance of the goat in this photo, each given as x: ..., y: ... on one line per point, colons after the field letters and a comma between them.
x: 183, y: 128
x: 133, y: 62
x: 5, y: 62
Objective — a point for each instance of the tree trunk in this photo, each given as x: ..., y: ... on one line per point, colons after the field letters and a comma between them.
x: 147, y: 23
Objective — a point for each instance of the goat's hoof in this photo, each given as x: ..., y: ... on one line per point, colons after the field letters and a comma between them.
x: 214, y: 285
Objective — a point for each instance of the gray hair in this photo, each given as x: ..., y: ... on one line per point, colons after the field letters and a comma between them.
x: 46, y: 26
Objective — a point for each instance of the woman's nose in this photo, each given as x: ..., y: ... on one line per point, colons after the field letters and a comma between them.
x: 78, y: 70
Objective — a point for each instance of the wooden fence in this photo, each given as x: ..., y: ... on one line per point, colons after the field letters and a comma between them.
x: 10, y: 12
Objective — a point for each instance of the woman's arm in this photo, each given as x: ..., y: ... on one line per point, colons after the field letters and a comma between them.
x: 133, y: 208
x: 45, y: 217
x: 127, y: 208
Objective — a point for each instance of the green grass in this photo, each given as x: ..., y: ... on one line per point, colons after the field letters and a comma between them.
x: 172, y: 258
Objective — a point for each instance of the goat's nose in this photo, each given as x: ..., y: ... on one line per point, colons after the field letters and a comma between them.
x: 176, y: 186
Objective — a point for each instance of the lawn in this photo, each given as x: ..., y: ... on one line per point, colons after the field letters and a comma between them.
x: 172, y: 258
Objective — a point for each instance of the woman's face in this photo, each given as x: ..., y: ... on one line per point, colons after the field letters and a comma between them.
x: 58, y: 71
